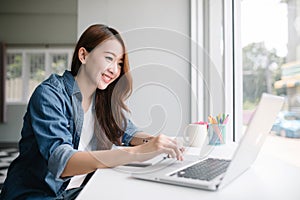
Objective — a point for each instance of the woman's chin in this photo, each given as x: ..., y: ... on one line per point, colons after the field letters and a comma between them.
x: 102, y: 86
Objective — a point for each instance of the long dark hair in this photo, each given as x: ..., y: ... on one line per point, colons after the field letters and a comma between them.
x: 109, y: 103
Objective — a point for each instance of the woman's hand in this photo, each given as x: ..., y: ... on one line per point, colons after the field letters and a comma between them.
x: 158, y: 145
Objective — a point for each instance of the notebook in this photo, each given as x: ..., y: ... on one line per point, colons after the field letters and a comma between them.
x: 215, y: 173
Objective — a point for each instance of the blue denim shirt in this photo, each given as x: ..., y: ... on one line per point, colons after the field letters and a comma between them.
x: 50, y: 136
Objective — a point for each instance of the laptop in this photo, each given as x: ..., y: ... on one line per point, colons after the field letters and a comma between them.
x: 215, y: 173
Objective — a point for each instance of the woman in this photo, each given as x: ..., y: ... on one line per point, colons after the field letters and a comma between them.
x: 73, y: 120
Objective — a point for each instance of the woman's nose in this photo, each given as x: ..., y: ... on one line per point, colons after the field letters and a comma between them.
x: 113, y: 68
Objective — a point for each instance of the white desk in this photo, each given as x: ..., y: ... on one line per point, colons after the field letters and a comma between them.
x: 268, y: 178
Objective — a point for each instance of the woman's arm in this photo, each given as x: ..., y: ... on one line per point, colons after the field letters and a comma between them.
x: 85, y: 162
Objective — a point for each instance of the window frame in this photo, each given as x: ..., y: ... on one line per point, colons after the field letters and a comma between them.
x: 232, y: 62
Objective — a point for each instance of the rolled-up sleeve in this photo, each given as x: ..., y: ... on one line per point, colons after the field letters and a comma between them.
x: 129, y: 133
x: 59, y: 158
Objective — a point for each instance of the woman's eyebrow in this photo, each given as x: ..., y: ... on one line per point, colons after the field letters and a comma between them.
x: 112, y: 53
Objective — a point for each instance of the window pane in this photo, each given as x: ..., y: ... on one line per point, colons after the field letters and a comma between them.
x: 37, y: 70
x: 59, y: 63
x: 264, y: 41
x: 271, y: 63
x: 14, y: 84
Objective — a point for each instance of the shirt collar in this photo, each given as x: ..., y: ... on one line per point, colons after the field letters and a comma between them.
x: 70, y: 83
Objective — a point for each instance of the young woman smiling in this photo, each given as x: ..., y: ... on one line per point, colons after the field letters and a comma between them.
x: 73, y: 120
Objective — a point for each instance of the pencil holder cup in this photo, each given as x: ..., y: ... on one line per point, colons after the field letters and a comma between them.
x: 216, y: 134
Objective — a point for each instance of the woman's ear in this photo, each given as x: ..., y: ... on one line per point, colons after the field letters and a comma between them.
x: 82, y: 54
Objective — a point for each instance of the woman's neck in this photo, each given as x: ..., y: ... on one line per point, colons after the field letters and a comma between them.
x: 86, y: 89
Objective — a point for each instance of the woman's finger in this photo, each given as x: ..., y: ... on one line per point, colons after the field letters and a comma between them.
x: 173, y: 145
x: 171, y: 153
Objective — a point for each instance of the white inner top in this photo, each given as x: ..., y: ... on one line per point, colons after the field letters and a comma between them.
x: 84, y: 143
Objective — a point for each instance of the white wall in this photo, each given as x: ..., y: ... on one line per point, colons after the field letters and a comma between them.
x: 157, y: 36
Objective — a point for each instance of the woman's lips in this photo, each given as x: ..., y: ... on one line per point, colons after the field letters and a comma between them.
x: 106, y: 78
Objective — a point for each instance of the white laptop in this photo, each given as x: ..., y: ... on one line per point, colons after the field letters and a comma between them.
x: 214, y: 173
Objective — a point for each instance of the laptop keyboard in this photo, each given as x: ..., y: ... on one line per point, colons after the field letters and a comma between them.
x: 207, y: 169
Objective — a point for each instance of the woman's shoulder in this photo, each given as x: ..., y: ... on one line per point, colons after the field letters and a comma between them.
x: 52, y: 86
x: 54, y: 82
x: 56, y: 88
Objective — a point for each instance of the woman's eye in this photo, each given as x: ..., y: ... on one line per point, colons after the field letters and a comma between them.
x: 109, y: 58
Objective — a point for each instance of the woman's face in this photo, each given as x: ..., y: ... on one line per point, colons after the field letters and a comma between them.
x: 103, y: 64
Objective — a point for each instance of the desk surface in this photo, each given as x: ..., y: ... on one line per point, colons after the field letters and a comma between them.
x: 268, y: 178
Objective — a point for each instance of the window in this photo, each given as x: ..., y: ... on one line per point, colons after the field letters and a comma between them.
x: 270, y: 38
x: 255, y: 45
x: 271, y: 56
x: 26, y: 68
